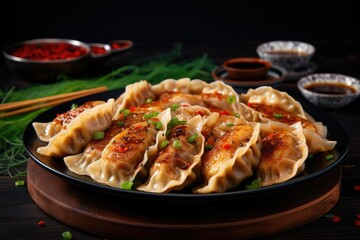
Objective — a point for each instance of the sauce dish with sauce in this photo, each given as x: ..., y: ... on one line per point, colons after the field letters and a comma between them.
x: 329, y: 90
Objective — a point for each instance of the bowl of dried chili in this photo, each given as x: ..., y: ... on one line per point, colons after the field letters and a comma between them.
x: 44, y: 60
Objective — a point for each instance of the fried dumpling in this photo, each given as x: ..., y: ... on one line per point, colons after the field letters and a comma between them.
x: 45, y: 131
x: 283, y: 154
x: 78, y: 163
x: 232, y: 159
x: 124, y: 158
x: 80, y: 131
x: 178, y: 162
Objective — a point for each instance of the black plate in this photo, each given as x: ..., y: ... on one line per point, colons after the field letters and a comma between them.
x: 314, y: 167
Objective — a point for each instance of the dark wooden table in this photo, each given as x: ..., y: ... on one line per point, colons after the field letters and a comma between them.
x: 19, y: 215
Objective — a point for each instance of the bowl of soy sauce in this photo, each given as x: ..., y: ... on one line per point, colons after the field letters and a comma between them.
x: 329, y: 90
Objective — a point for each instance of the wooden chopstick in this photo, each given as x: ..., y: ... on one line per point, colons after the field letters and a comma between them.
x: 33, y: 104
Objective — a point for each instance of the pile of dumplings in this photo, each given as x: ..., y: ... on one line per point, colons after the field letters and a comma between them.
x: 185, y: 135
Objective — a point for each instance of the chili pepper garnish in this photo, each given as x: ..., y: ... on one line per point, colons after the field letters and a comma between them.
x: 127, y: 185
x: 132, y: 109
x: 224, y: 113
x: 121, y: 149
x: 227, y: 146
x: 151, y: 115
x: 231, y: 99
x: 192, y: 138
x: 19, y: 183
x: 99, y: 135
x: 66, y: 235
x: 357, y: 187
x: 177, y: 144
x: 41, y: 223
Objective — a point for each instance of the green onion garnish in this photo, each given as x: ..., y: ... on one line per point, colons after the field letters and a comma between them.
x: 120, y: 123
x: 151, y: 115
x: 254, y: 184
x: 229, y: 124
x: 237, y: 115
x: 278, y: 115
x: 125, y: 112
x: 164, y: 143
x: 231, y: 99
x: 329, y: 157
x: 192, y: 138
x: 208, y: 146
x: 74, y: 105
x: 174, y: 106
x: 66, y: 235
x: 177, y: 144
x: 19, y: 183
x: 158, y: 124
x: 99, y: 135
x: 149, y: 100
x: 174, y: 122
x: 127, y: 185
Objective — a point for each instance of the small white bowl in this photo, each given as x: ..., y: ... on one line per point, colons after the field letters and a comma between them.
x: 287, y: 54
x: 329, y: 90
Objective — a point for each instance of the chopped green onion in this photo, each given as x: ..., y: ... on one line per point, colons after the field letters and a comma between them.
x: 151, y: 115
x: 164, y: 143
x: 174, y: 106
x: 74, y: 105
x: 278, y: 115
x: 125, y: 112
x: 66, y: 235
x: 229, y: 124
x: 158, y: 124
x: 99, y: 135
x: 208, y: 146
x: 174, y: 122
x: 177, y: 144
x: 329, y: 157
x: 149, y: 100
x: 192, y: 138
x: 237, y: 115
x: 19, y: 183
x: 127, y: 185
x: 120, y: 123
x: 231, y: 99
x: 254, y: 184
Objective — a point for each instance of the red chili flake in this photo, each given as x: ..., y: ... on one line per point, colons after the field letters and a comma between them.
x: 224, y: 112
x: 184, y: 105
x: 357, y: 222
x: 336, y: 219
x: 138, y: 127
x: 132, y: 109
x: 227, y: 145
x: 199, y: 112
x: 357, y: 187
x: 41, y: 223
x: 121, y: 149
x: 250, y: 104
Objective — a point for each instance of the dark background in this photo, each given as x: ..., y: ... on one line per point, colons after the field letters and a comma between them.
x: 101, y: 21
x: 181, y: 21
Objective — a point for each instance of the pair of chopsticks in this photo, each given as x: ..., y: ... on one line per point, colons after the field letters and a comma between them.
x: 37, y: 103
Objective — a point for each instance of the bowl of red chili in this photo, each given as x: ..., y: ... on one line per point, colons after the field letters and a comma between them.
x: 44, y: 60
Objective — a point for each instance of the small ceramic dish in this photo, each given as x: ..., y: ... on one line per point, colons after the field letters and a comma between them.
x: 288, y: 54
x: 274, y: 76
x: 329, y: 90
x: 247, y: 68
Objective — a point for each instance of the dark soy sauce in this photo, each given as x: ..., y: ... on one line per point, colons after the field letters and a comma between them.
x: 330, y: 88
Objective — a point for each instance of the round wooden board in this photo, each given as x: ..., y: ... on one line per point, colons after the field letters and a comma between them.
x: 111, y: 216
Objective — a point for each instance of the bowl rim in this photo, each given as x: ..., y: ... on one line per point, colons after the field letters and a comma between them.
x: 266, y: 65
x: 46, y: 40
x: 261, y: 47
x: 325, y: 77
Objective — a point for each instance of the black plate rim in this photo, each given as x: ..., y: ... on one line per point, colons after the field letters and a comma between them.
x: 337, y: 131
